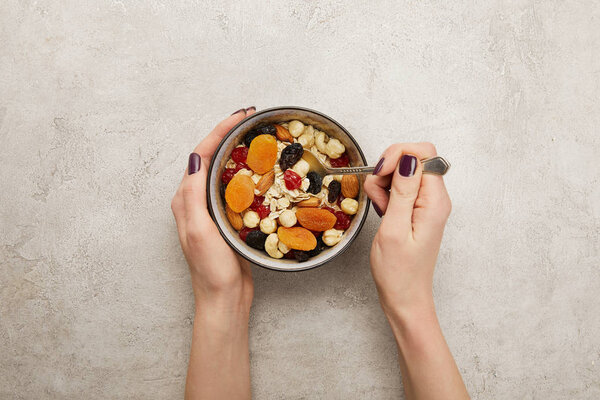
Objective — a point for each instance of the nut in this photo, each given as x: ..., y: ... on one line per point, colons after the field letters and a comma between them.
x: 312, y: 202
x: 335, y: 148
x: 283, y: 134
x: 268, y: 225
x: 282, y: 247
x: 287, y: 218
x: 234, y: 218
x: 350, y: 186
x: 264, y: 183
x: 321, y: 140
x: 349, y: 206
x: 307, y: 139
x: 327, y: 180
x: 296, y: 128
x: 251, y: 219
x: 271, y: 246
x: 244, y: 171
x: 301, y: 168
x: 332, y: 237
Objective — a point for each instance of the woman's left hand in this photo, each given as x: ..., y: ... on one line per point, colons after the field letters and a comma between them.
x: 221, y: 280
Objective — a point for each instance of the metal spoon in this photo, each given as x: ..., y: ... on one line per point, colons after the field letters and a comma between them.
x: 435, y: 165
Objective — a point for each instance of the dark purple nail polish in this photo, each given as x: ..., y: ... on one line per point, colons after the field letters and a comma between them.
x: 251, y: 108
x: 408, y: 165
x: 241, y: 109
x: 194, y: 164
x: 379, y: 166
x: 377, y: 210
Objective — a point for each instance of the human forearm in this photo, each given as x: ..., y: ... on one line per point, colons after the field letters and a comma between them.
x: 428, y: 368
x: 219, y: 359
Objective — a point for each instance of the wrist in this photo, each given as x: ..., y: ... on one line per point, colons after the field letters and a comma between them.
x: 408, y: 319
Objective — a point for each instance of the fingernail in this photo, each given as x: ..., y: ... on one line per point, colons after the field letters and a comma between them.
x: 241, y: 109
x: 251, y: 108
x: 377, y: 210
x: 408, y: 165
x: 379, y: 166
x: 194, y: 164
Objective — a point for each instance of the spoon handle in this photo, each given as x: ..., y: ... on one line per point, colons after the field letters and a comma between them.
x: 350, y: 170
x: 435, y: 165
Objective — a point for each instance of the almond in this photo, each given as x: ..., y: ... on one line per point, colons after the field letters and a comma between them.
x: 312, y: 202
x: 234, y: 218
x: 283, y: 134
x: 265, y: 182
x: 350, y: 186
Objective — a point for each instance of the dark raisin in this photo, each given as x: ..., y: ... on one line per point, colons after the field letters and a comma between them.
x: 290, y: 156
x: 267, y: 130
x: 256, y: 239
x: 263, y: 130
x: 334, y: 191
x: 315, y: 182
x: 301, y: 256
x: 320, y: 247
x: 250, y: 137
x: 223, y: 186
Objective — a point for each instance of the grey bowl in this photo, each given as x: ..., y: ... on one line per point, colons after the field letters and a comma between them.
x: 216, y: 204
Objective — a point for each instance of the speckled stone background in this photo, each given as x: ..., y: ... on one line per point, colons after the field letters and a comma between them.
x: 101, y: 102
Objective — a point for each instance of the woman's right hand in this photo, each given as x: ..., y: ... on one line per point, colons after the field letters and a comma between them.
x: 414, y: 208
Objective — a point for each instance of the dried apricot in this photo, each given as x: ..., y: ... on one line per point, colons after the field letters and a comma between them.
x: 262, y: 154
x: 239, y: 194
x: 315, y: 219
x: 297, y: 238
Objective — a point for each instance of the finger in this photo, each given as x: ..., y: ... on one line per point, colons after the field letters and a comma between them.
x: 178, y: 208
x: 207, y: 147
x: 193, y: 189
x: 250, y: 110
x: 377, y: 189
x: 403, y: 194
x: 432, y: 208
x: 404, y: 189
x: 380, y: 183
x: 390, y: 157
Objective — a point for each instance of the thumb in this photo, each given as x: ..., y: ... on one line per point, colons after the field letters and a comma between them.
x: 194, y: 191
x: 403, y: 193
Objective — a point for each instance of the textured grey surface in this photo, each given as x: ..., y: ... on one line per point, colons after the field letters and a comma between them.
x: 100, y: 103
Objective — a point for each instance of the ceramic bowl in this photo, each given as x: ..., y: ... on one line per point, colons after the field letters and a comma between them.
x: 216, y: 204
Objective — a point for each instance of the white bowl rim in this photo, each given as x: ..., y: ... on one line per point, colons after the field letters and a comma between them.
x: 302, y: 266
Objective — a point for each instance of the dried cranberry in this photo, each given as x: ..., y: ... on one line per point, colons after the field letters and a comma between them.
x: 263, y: 211
x: 339, y: 200
x: 341, y: 161
x: 245, y: 231
x: 343, y: 221
x: 239, y: 154
x: 240, y: 166
x: 227, y: 175
x: 331, y: 210
x: 292, y: 180
x: 257, y: 202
